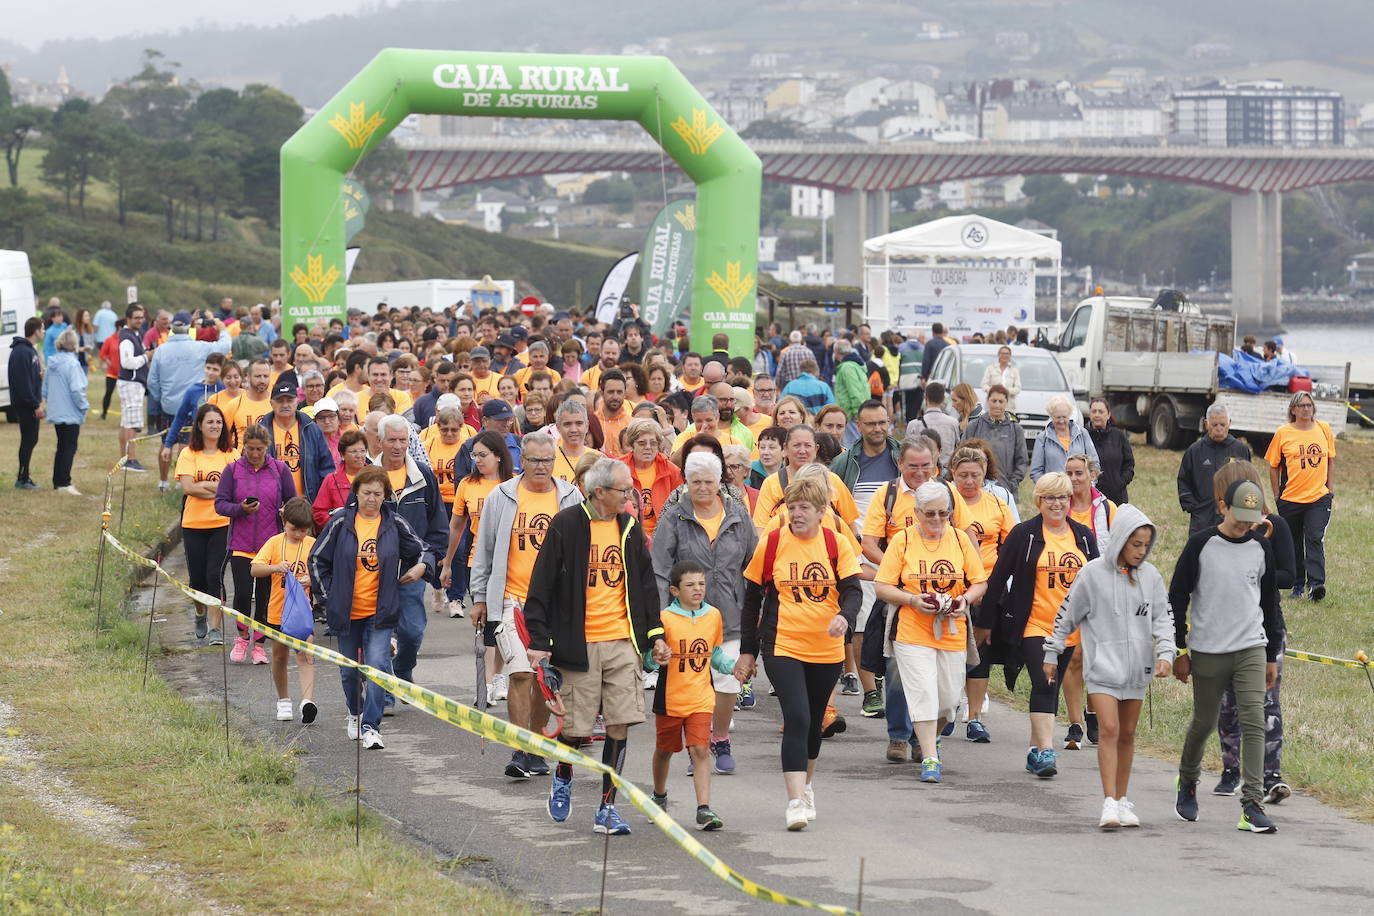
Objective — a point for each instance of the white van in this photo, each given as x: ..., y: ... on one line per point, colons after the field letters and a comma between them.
x: 17, y: 305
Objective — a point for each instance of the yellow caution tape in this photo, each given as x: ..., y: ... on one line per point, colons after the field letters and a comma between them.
x: 1357, y: 664
x: 480, y: 723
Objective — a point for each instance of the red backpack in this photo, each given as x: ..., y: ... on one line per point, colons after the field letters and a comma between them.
x: 770, y: 553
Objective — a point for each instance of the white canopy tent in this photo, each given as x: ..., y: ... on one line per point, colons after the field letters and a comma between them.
x: 996, y: 255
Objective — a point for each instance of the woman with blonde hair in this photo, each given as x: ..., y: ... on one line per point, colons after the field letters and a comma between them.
x: 790, y: 411
x: 965, y: 401
x: 797, y: 626
x: 1035, y: 569
x: 1300, y: 459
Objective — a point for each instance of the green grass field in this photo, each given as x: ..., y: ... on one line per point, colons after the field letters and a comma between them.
x: 1327, y: 741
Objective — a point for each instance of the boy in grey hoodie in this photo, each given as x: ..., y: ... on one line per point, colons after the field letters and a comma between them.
x: 1120, y: 603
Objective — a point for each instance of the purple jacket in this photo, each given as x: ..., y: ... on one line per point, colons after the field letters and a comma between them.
x: 272, y: 485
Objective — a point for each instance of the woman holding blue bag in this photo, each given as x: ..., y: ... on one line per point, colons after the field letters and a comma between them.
x: 284, y: 557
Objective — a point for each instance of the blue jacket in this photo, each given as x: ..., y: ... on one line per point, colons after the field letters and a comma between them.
x: 195, y: 396
x: 26, y: 375
x: 177, y: 365
x: 50, y: 338
x: 814, y: 393
x: 422, y: 508
x: 1049, y: 454
x: 64, y: 388
x: 317, y: 462
x: 336, y: 550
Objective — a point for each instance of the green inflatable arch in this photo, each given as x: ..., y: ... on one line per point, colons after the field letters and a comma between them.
x: 649, y: 90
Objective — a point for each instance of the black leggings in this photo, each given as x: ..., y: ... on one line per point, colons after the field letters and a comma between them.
x: 1044, y: 696
x: 205, y: 558
x: 249, y: 593
x: 803, y: 693
x: 109, y: 393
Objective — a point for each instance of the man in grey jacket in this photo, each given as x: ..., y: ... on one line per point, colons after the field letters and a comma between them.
x: 1200, y: 464
x: 514, y: 518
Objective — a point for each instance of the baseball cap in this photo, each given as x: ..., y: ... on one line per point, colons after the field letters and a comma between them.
x: 496, y: 409
x: 447, y: 400
x: 182, y: 317
x: 1246, y: 501
x: 322, y: 403
x: 479, y: 352
x: 519, y: 332
x: 505, y: 340
x: 180, y: 327
x: 287, y: 390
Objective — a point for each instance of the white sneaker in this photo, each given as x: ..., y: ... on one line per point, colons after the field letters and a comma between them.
x: 372, y: 739
x: 1111, y: 815
x: 490, y: 688
x: 455, y: 609
x: 796, y: 814
x: 351, y: 727
x: 500, y: 688
x: 1125, y: 812
x: 284, y: 711
x: 809, y: 802
x: 69, y: 490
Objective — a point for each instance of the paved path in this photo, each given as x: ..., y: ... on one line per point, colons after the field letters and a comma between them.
x: 990, y: 839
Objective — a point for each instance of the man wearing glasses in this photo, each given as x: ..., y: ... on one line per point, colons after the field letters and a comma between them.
x: 593, y: 609
x: 518, y: 514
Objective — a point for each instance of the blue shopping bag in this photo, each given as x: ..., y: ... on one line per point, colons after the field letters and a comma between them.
x: 296, y: 617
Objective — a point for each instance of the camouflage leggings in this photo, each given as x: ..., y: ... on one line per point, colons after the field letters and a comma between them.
x: 1228, y: 725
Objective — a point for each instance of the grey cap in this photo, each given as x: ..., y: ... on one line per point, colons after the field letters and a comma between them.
x: 1246, y: 501
x: 479, y: 353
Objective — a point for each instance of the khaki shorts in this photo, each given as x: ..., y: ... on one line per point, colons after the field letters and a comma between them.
x: 610, y: 685
x: 514, y: 652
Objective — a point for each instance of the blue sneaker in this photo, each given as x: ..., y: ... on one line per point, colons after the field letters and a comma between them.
x: 1032, y: 759
x: 1045, y: 766
x: 725, y: 761
x: 746, y: 696
x: 977, y: 732
x: 536, y: 765
x: 560, y: 799
x: 608, y: 820
x: 518, y: 768
x: 930, y: 770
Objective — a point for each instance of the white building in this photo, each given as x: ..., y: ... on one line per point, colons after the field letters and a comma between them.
x: 1122, y: 116
x: 1260, y: 113
x: 812, y: 203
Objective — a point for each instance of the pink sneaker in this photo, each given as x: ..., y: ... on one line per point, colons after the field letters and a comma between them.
x: 240, y: 650
x: 259, y: 654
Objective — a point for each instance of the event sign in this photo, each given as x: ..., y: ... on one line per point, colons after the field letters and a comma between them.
x: 965, y: 299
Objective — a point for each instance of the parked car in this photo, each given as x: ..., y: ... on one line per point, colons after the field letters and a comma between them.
x: 1041, y: 378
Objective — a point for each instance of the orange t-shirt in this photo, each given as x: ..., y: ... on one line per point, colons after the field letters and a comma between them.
x: 904, y: 513
x: 947, y: 568
x: 991, y: 522
x: 441, y: 460
x: 229, y: 406
x: 398, y: 479
x: 404, y: 400
x: 367, y: 578
x: 202, y: 467
x: 712, y: 525
x: 483, y: 386
x: 565, y: 465
x: 608, y: 613
x: 830, y: 520
x: 275, y: 551
x: 771, y: 499
x: 288, y: 443
x: 1303, y: 456
x: 468, y: 500
x: 522, y: 377
x: 1055, y: 571
x: 249, y: 413
x: 533, y: 513
x: 1085, y: 518
x: 648, y: 512
x: 808, y: 594
x: 686, y: 680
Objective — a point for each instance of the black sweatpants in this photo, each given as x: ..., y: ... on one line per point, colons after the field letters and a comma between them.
x: 803, y: 692
x: 28, y: 439
x: 250, y: 595
x: 109, y: 393
x: 67, y: 436
x: 205, y: 558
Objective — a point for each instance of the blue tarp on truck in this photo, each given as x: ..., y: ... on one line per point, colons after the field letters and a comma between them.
x: 1244, y: 372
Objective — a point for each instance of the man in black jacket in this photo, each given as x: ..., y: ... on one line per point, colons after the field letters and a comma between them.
x: 26, y: 396
x: 593, y: 608
x: 1200, y: 462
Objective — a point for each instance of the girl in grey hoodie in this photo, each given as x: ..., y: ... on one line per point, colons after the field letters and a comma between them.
x: 1120, y: 602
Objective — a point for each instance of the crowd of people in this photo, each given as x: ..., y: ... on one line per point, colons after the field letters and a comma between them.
x: 616, y: 514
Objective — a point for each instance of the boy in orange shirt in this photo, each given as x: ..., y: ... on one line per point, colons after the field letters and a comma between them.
x: 286, y: 554
x: 685, y: 698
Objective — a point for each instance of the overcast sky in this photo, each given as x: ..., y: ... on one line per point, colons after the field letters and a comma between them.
x: 28, y: 23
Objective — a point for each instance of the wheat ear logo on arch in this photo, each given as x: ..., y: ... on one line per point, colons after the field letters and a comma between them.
x: 732, y: 288
x: 699, y: 134
x: 359, y: 126
x: 315, y: 281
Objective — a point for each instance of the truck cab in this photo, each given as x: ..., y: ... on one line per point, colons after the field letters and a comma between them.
x: 17, y: 305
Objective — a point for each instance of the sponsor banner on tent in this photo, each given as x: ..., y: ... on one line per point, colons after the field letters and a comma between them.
x: 665, y: 280
x: 964, y: 299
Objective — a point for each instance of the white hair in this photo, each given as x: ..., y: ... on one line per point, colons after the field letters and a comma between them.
x: 702, y: 461
x: 1217, y: 409
x: 604, y: 473
x: 1062, y: 400
x: 743, y: 398
x: 570, y: 406
x: 68, y: 340
x: 539, y: 438
x: 795, y: 337
x: 931, y: 493
x: 346, y: 398
x: 392, y: 421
